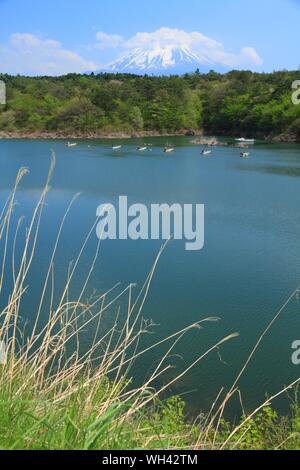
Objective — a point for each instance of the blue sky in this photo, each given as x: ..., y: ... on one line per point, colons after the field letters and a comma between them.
x: 60, y: 36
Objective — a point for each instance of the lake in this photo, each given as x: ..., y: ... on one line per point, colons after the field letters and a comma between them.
x: 249, y: 265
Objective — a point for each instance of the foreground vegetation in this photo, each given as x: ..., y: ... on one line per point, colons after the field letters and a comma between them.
x: 55, y: 396
x: 236, y: 103
x: 99, y: 418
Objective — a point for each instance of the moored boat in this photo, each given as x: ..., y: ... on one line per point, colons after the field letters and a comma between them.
x: 242, y: 140
x: 169, y: 149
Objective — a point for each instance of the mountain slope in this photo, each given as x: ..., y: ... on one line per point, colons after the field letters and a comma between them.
x: 160, y: 60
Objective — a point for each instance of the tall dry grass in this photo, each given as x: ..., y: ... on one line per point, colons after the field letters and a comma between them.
x: 54, y: 396
x: 40, y: 366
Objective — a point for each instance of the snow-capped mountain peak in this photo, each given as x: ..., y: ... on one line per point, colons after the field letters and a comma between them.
x: 160, y: 60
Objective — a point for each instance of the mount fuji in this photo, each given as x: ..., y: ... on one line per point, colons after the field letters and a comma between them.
x: 161, y: 61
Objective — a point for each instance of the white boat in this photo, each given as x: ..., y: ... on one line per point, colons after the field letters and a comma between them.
x: 245, y: 155
x: 242, y: 140
x: 142, y: 149
x: 168, y: 149
x: 70, y: 144
x: 116, y: 147
x: 206, y: 152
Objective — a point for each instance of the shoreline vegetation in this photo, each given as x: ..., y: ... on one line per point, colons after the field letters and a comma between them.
x: 97, y: 135
x: 53, y: 396
x: 200, y: 138
x: 238, y: 103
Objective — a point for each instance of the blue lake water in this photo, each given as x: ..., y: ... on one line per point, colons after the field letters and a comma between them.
x: 247, y: 269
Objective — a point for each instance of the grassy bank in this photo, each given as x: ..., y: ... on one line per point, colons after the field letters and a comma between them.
x: 54, y: 396
x: 98, y: 417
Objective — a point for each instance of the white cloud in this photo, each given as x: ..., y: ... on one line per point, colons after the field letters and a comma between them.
x: 250, y: 52
x: 247, y: 57
x: 105, y: 40
x: 27, y: 54
x: 167, y: 38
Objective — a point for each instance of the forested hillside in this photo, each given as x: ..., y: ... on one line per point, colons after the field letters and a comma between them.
x: 237, y: 103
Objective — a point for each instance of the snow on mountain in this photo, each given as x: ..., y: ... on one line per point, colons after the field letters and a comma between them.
x: 160, y: 60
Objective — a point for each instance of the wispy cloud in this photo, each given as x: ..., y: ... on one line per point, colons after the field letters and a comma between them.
x: 171, y: 37
x: 26, y: 53
x: 108, y: 41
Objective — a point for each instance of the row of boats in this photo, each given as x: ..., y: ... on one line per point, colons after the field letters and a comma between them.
x: 169, y: 149
x: 147, y: 147
x: 242, y: 142
x: 209, y: 152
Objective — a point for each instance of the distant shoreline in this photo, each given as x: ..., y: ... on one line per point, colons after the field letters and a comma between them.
x: 98, y: 135
x: 284, y: 138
